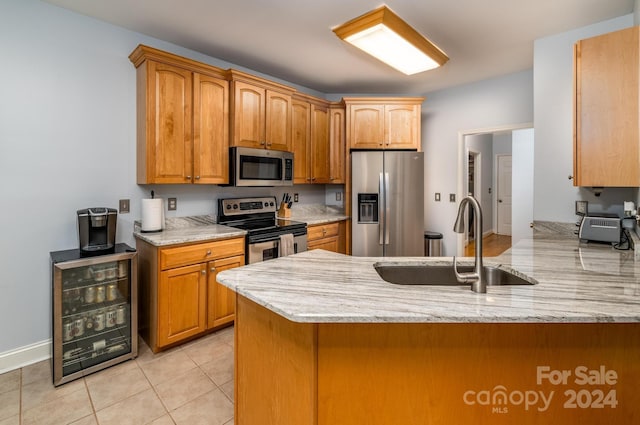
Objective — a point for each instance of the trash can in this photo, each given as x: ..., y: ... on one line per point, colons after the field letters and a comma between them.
x: 432, y: 244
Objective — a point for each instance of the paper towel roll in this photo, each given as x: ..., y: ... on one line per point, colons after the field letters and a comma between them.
x: 152, y: 215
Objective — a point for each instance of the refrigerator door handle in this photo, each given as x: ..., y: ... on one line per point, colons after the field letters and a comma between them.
x: 387, y: 213
x: 381, y: 211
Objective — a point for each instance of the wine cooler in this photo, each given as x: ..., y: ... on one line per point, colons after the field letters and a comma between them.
x: 94, y: 311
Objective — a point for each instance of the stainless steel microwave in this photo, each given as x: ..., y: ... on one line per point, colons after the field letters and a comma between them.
x: 260, y: 167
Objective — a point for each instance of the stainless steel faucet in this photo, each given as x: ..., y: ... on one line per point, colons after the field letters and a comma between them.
x: 478, y: 284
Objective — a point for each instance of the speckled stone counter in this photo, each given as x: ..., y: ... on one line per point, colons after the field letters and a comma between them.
x: 575, y: 283
x: 181, y: 230
x: 317, y: 214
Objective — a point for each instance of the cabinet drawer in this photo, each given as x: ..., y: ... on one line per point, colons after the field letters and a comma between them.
x: 197, y: 253
x: 322, y: 231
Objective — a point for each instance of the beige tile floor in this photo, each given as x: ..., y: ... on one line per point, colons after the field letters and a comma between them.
x: 191, y: 384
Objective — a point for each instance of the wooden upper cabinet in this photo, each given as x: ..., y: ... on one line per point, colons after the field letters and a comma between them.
x: 248, y: 115
x: 166, y: 146
x: 320, y: 153
x: 278, y: 121
x: 310, y: 139
x: 182, y: 119
x: 337, y: 144
x: 301, y: 140
x: 383, y: 123
x: 366, y: 128
x: 402, y: 126
x: 210, y: 130
x: 261, y: 113
x: 606, y: 113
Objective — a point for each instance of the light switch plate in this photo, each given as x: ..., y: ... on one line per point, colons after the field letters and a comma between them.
x: 437, y: 196
x: 452, y: 197
x: 123, y: 206
x: 582, y: 208
x: 173, y: 204
x: 295, y: 197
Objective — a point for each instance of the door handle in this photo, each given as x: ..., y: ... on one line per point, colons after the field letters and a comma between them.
x: 381, y: 216
x: 387, y: 214
x: 499, y: 200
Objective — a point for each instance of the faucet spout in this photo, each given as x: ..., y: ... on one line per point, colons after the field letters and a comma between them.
x: 478, y: 283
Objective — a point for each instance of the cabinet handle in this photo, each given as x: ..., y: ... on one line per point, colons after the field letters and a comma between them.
x: 262, y: 143
x: 213, y: 270
x: 208, y: 253
x: 197, y: 177
x: 324, y: 231
x: 204, y: 272
x: 188, y: 177
x: 313, y: 179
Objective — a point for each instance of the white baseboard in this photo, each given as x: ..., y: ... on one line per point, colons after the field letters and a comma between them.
x: 24, y: 356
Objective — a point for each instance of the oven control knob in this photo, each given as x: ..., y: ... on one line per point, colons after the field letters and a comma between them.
x: 235, y: 206
x: 266, y: 204
x: 271, y: 203
x: 228, y: 206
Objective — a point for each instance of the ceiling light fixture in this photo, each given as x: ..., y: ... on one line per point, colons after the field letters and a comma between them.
x: 385, y: 36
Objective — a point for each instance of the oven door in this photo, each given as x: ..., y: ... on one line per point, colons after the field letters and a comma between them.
x: 268, y: 250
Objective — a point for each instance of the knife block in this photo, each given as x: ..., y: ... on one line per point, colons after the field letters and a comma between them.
x: 283, y: 211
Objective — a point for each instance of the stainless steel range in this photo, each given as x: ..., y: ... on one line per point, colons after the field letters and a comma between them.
x: 268, y: 237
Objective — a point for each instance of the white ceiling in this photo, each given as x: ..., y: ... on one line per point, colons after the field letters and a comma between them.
x: 292, y: 39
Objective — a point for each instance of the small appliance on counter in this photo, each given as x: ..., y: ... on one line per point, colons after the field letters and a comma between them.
x: 601, y: 228
x: 97, y: 230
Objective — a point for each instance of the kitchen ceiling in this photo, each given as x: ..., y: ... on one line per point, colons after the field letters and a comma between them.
x: 292, y: 39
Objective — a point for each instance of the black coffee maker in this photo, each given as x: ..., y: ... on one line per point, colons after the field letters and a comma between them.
x: 97, y: 231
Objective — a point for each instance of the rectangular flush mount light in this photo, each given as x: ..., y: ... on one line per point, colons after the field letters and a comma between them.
x: 382, y: 34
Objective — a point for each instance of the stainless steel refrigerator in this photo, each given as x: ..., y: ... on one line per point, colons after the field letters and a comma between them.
x: 387, y: 190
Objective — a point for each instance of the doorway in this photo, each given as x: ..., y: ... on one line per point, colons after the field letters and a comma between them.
x: 503, y: 191
x: 496, y: 230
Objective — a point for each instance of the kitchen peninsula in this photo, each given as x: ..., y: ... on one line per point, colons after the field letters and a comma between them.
x: 322, y: 339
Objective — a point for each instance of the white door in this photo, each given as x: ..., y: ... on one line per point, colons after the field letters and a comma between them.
x: 504, y: 194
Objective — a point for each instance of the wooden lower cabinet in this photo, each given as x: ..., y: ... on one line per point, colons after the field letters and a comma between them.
x: 179, y: 296
x: 330, y: 237
x: 221, y: 300
x: 291, y: 373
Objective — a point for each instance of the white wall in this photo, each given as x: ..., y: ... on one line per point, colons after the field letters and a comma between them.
x: 486, y: 104
x: 67, y: 141
x: 554, y: 193
x: 522, y: 184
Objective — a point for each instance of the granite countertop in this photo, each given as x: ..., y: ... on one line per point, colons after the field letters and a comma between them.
x: 179, y: 230
x: 577, y: 283
x: 316, y: 214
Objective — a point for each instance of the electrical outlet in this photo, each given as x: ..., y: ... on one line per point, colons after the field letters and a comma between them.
x: 124, y: 206
x: 437, y: 196
x: 338, y: 196
x: 173, y: 204
x: 452, y: 197
x: 295, y: 197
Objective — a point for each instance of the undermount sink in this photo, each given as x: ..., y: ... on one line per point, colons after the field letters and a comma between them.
x: 442, y: 275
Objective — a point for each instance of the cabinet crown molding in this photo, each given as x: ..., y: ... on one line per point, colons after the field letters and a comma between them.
x: 142, y: 53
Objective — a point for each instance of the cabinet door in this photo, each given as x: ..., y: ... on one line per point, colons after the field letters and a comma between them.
x: 366, y: 126
x: 319, y: 144
x: 168, y: 125
x: 278, y: 121
x: 210, y: 130
x: 606, y: 137
x: 300, y: 141
x: 402, y: 126
x: 328, y: 244
x: 221, y: 300
x: 248, y: 115
x: 181, y: 303
x: 337, y: 145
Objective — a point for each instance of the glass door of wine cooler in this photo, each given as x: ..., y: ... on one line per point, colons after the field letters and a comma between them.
x: 94, y: 311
